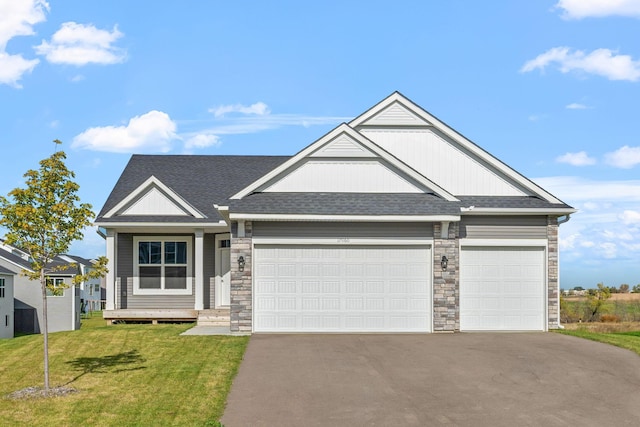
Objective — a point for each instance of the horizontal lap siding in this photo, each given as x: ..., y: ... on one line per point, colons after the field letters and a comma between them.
x: 125, y: 274
x: 498, y: 227
x: 341, y: 229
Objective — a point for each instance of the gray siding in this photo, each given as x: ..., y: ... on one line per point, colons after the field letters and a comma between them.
x: 504, y: 227
x: 341, y: 229
x: 125, y: 273
x: 6, y: 308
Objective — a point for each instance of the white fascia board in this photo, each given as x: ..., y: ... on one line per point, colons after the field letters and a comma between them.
x: 346, y: 218
x: 456, y: 136
x: 512, y: 211
x: 164, y: 225
x: 152, y: 180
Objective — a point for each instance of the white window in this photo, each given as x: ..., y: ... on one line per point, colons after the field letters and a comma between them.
x: 2, y: 287
x: 55, y: 287
x: 162, y: 265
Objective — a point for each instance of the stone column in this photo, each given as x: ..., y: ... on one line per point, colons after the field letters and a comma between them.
x: 242, y: 281
x: 446, y: 288
x: 553, y: 313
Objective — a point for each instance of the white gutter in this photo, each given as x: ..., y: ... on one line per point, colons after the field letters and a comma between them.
x: 354, y: 218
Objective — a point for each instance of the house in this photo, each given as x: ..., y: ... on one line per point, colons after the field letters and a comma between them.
x: 63, y: 304
x: 6, y: 303
x: 393, y: 222
x: 90, y: 290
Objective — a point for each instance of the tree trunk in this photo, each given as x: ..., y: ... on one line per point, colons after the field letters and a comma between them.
x: 45, y: 330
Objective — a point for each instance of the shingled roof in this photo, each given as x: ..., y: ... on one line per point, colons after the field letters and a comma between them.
x: 200, y: 180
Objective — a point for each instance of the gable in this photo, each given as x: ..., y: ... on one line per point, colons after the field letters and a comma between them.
x: 153, y: 198
x: 395, y: 114
x: 344, y: 161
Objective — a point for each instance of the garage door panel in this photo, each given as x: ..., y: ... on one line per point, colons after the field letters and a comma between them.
x: 326, y: 294
x: 502, y: 288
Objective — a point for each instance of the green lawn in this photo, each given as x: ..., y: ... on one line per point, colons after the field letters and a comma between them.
x: 127, y: 375
x: 628, y: 340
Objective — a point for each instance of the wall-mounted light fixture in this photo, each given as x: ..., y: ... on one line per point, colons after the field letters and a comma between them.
x: 241, y: 263
x: 443, y: 262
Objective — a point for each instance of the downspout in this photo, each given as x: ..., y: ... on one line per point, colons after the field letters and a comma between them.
x: 561, y: 220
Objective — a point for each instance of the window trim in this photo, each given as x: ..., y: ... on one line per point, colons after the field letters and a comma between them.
x: 56, y: 282
x: 162, y: 291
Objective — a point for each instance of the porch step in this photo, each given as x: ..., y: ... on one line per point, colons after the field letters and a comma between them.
x: 214, y: 317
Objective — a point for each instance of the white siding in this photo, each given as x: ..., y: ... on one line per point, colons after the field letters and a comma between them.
x: 343, y: 177
x: 343, y: 146
x: 396, y: 115
x: 154, y: 202
x: 441, y: 162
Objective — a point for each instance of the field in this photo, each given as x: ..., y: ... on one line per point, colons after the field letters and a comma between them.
x: 123, y: 374
x: 619, y: 308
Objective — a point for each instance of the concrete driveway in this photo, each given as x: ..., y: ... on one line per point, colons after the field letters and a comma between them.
x: 483, y: 379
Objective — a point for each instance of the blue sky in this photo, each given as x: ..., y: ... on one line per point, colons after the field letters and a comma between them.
x: 552, y: 88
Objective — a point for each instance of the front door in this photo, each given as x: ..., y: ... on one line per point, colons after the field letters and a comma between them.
x: 223, y: 275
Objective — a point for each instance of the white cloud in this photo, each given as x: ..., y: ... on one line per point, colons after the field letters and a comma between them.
x: 150, y: 132
x: 590, y: 206
x: 202, y: 141
x: 13, y: 67
x: 576, y: 189
x: 576, y: 159
x: 576, y: 106
x: 608, y: 250
x: 17, y: 18
x: 601, y: 62
x: 77, y: 78
x: 259, y: 108
x: 578, y: 9
x: 624, y: 157
x: 630, y: 217
x: 79, y: 44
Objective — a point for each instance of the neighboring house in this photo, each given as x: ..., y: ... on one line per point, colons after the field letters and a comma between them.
x: 393, y: 222
x: 6, y: 303
x: 90, y: 294
x: 63, y: 304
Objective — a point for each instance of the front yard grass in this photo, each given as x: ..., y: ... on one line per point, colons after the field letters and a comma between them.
x: 125, y: 375
x: 629, y: 340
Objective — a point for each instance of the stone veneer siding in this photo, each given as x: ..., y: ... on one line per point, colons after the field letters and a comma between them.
x: 446, y: 283
x: 241, y: 288
x: 553, y: 310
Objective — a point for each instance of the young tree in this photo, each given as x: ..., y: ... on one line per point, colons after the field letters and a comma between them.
x: 43, y: 219
x: 624, y: 288
x: 597, y: 299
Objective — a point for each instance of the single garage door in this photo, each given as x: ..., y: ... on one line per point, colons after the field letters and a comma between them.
x: 300, y: 288
x: 502, y: 289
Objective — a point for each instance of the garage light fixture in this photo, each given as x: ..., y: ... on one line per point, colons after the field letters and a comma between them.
x: 241, y: 263
x: 443, y: 262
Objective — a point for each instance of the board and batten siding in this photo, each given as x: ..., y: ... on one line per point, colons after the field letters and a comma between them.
x: 440, y: 160
x: 498, y: 227
x: 209, y: 270
x: 126, y: 299
x: 340, y: 230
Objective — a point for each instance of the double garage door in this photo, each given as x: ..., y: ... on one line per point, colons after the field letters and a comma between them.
x: 300, y: 288
x: 502, y: 289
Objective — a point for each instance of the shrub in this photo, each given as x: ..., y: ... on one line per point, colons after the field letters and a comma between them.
x: 609, y: 318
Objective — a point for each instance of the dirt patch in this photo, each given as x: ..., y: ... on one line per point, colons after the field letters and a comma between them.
x: 40, y: 392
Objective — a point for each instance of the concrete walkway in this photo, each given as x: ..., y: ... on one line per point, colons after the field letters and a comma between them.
x: 498, y: 379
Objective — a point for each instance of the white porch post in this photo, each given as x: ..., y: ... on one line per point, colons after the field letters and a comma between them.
x: 199, y: 270
x: 110, y: 304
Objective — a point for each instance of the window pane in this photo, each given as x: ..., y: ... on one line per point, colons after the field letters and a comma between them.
x: 150, y: 277
x: 143, y: 253
x: 181, y: 252
x: 170, y: 252
x: 175, y: 278
x: 155, y: 252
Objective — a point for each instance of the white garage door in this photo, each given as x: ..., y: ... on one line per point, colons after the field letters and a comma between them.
x: 342, y: 289
x: 502, y: 289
